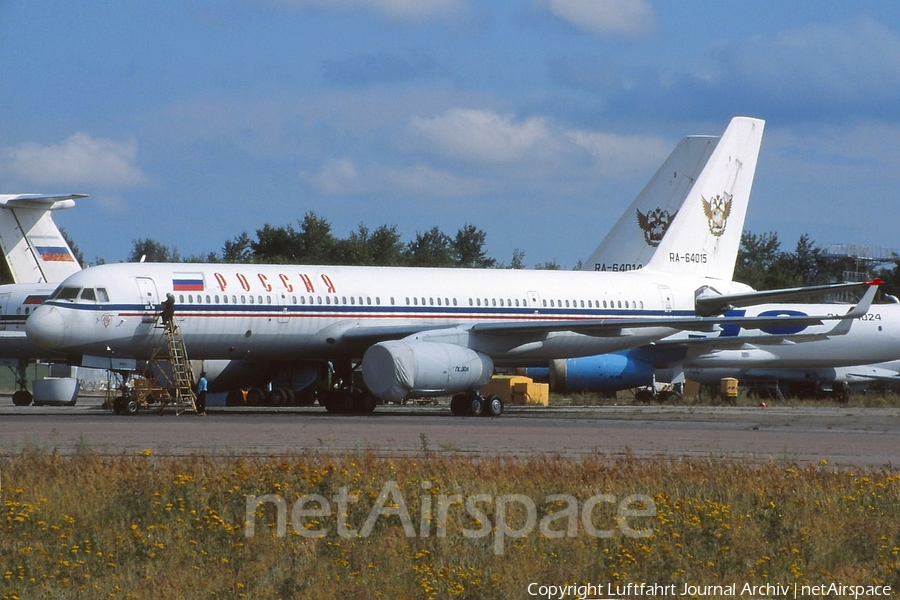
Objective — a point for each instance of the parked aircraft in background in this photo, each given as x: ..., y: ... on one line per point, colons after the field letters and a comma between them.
x: 790, y: 353
x: 803, y: 356
x: 631, y: 242
x: 36, y: 258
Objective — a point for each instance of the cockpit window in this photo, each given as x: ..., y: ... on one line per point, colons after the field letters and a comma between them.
x: 88, y: 294
x: 102, y: 296
x: 66, y: 293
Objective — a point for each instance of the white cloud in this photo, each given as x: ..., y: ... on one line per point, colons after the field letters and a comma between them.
x: 337, y: 176
x: 422, y: 180
x: 619, y: 154
x: 483, y: 135
x: 852, y: 65
x: 342, y: 177
x: 80, y: 159
x: 401, y: 10
x: 602, y: 17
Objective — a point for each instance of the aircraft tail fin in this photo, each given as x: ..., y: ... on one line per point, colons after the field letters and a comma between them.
x: 704, y: 238
x: 630, y: 244
x: 33, y: 247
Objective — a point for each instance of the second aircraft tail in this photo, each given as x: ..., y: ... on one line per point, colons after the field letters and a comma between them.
x: 704, y: 237
x: 33, y: 247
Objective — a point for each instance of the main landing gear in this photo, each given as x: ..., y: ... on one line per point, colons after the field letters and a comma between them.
x: 476, y: 405
x: 348, y: 401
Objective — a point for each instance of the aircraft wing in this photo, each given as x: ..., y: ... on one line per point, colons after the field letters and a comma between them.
x: 709, y: 302
x: 367, y: 335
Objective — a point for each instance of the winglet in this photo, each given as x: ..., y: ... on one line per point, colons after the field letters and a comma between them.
x: 865, y: 302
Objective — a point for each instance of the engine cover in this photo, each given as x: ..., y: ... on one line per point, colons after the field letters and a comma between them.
x: 398, y: 369
x: 601, y: 373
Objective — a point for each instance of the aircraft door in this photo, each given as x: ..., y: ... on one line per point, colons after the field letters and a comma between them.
x: 149, y: 298
x: 283, y: 313
x: 4, y: 303
x: 534, y: 300
x: 665, y: 294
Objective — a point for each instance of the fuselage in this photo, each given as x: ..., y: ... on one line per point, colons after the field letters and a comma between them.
x: 872, y: 338
x: 228, y: 311
x: 17, y: 301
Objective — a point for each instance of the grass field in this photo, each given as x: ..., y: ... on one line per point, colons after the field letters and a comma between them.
x: 91, y: 526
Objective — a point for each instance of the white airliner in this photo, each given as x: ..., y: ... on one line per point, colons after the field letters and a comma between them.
x: 422, y: 332
x: 36, y: 258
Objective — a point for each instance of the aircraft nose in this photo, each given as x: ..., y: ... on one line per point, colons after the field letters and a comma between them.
x: 45, y: 327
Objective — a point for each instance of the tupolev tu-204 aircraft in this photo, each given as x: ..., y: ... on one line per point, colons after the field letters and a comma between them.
x: 426, y: 331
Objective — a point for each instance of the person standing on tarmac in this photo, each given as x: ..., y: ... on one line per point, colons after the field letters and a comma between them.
x: 202, y: 386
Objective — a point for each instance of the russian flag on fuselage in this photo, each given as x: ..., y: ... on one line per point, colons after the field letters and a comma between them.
x: 188, y: 283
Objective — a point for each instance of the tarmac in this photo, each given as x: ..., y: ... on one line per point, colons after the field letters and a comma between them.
x: 836, y: 436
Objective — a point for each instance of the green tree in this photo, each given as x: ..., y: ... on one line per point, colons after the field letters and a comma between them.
x: 518, y: 259
x: 238, y: 249
x: 149, y: 250
x: 364, y: 247
x: 757, y: 259
x: 275, y: 245
x: 469, y: 248
x: 315, y: 244
x: 79, y: 257
x: 433, y: 248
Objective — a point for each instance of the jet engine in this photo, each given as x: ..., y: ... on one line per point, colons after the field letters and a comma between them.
x: 398, y: 369
x: 601, y: 373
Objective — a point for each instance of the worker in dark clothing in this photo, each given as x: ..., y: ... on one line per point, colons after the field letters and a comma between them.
x: 168, y: 310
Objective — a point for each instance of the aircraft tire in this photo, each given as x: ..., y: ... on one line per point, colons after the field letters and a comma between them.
x: 280, y: 397
x: 494, y: 406
x: 476, y: 406
x: 644, y: 396
x: 256, y: 397
x: 366, y: 403
x: 22, y: 398
x: 459, y: 405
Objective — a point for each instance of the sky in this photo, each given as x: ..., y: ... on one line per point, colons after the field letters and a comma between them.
x: 537, y: 121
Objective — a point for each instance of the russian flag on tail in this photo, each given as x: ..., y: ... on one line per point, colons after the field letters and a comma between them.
x: 55, y: 254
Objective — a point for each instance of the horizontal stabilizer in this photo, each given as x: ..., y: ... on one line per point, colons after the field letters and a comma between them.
x: 39, y: 201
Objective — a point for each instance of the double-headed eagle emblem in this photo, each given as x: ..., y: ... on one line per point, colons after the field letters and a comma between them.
x: 717, y: 210
x: 654, y: 223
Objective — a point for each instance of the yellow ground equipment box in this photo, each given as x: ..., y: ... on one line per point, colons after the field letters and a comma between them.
x: 517, y: 390
x: 728, y: 388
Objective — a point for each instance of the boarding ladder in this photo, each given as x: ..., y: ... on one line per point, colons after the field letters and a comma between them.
x: 181, y: 368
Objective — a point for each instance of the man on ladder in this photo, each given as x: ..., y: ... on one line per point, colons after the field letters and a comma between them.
x: 178, y: 360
